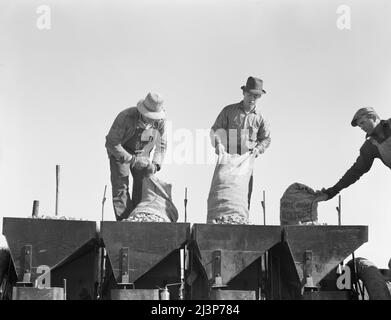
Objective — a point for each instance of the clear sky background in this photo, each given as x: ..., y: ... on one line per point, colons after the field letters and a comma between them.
x: 60, y: 90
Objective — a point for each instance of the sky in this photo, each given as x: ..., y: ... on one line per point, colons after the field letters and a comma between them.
x: 62, y: 86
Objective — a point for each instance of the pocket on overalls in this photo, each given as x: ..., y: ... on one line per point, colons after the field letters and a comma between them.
x: 148, y: 139
x: 385, y: 151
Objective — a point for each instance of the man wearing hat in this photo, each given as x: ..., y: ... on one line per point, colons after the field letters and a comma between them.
x: 240, y: 127
x: 377, y: 145
x: 132, y: 136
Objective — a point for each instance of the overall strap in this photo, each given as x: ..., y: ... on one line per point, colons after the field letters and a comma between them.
x: 384, y: 150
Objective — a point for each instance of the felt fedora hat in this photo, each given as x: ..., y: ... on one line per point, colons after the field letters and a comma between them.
x: 152, y: 107
x: 254, y: 85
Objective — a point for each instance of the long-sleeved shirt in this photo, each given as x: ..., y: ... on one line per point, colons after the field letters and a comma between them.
x: 123, y: 129
x: 376, y: 145
x: 240, y: 131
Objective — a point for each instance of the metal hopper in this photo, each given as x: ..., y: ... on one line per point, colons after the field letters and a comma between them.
x: 309, y: 255
x: 143, y: 255
x: 229, y: 256
x: 67, y: 247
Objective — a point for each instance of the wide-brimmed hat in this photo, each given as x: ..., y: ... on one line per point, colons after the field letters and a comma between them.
x: 254, y: 85
x: 363, y: 112
x: 152, y: 107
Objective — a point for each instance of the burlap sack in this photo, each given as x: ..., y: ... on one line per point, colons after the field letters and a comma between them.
x: 298, y: 204
x: 156, y: 204
x: 228, y: 195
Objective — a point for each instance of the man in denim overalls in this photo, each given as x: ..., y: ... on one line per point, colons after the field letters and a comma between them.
x: 132, y: 136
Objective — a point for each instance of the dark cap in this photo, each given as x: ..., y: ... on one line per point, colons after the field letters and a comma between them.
x: 361, y: 113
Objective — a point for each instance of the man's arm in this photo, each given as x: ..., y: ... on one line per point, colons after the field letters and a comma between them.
x: 360, y: 167
x: 263, y: 137
x: 114, y: 139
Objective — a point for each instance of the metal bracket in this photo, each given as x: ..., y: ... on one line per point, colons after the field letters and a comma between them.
x: 216, y: 270
x: 26, y: 263
x: 124, y: 265
x: 308, y: 264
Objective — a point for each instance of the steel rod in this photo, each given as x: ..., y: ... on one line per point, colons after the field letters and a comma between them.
x: 35, y: 209
x: 185, y: 202
x: 57, y: 187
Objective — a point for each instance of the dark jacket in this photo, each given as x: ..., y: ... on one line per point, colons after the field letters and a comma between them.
x: 376, y: 145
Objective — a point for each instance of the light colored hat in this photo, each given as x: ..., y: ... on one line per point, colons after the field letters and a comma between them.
x: 152, y: 107
x: 363, y: 112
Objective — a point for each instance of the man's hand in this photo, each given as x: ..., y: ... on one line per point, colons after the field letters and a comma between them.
x: 321, y: 195
x: 220, y: 148
x: 141, y: 163
x: 256, y: 152
x: 150, y: 170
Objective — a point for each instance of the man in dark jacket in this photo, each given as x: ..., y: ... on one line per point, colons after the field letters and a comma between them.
x: 133, y: 135
x: 376, y: 145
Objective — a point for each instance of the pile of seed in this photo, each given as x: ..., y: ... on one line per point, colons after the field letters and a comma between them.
x: 56, y: 218
x: 312, y: 223
x: 231, y: 219
x: 144, y: 217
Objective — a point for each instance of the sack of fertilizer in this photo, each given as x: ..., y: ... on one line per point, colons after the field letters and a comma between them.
x: 228, y: 195
x: 156, y: 204
x: 299, y: 205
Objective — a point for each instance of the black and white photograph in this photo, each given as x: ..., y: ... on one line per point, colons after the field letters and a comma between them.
x: 191, y: 150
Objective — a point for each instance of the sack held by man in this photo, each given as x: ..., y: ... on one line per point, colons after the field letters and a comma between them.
x: 228, y: 195
x: 298, y: 204
x: 156, y: 204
